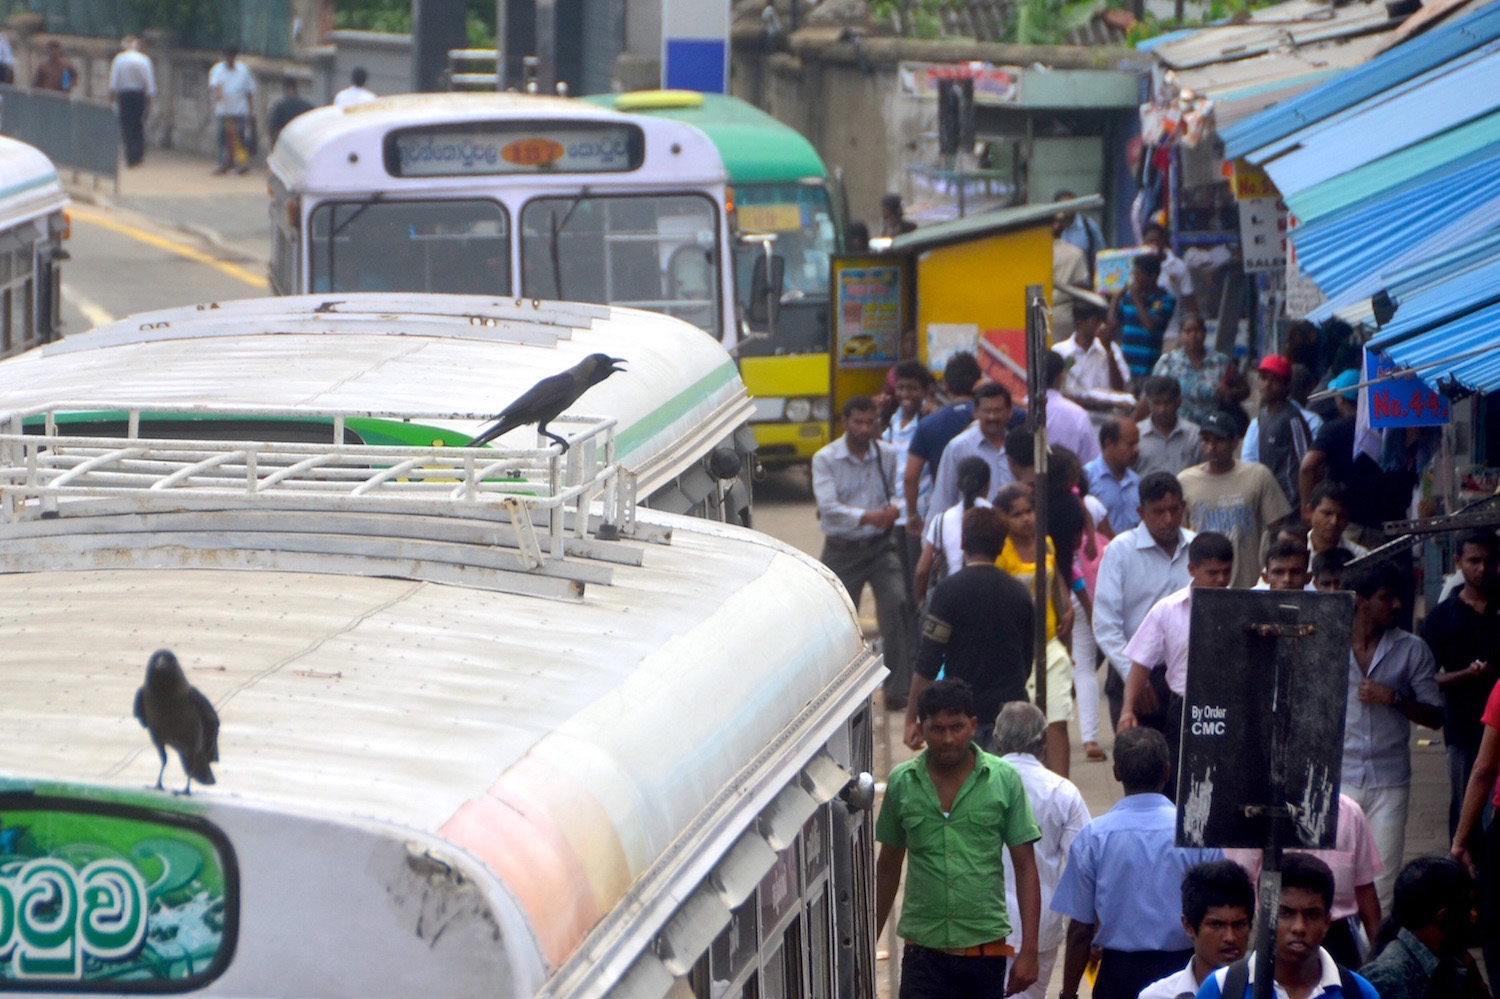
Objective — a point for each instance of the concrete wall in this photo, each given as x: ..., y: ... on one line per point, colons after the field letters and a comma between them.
x: 841, y: 90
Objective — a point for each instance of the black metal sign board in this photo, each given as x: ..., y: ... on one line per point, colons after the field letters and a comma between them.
x: 1263, y: 718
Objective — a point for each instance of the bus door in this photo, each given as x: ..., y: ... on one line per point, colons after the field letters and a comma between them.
x: 786, y: 367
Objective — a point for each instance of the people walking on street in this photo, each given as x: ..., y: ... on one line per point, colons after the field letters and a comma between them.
x: 1427, y: 956
x: 1327, y: 516
x: 854, y: 485
x: 1176, y: 279
x: 942, y: 546
x: 1300, y: 966
x: 1169, y: 441
x: 232, y: 87
x: 1141, y: 311
x: 893, y: 220
x: 288, y: 106
x: 1060, y: 812
x: 954, y: 810
x: 934, y: 432
x: 1079, y: 230
x: 1098, y: 379
x: 1218, y: 900
x: 1281, y: 434
x: 1111, y: 477
x: 913, y: 384
x: 1240, y: 500
x: 7, y: 59
x: 1476, y: 842
x: 132, y: 86
x: 1139, y: 567
x: 1121, y: 888
x: 1210, y: 381
x: 984, y: 438
x: 56, y: 72
x: 356, y: 92
x: 1286, y: 566
x: 1464, y: 635
x: 1391, y: 684
x: 1067, y: 424
x: 977, y: 628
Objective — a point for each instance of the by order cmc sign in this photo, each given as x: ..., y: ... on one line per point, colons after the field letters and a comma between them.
x: 99, y: 894
x: 1405, y: 401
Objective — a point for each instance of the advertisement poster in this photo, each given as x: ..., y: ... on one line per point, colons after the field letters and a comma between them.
x: 869, y: 304
x: 1263, y: 234
x: 1402, y: 402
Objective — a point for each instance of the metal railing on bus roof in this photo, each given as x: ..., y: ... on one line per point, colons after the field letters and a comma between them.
x: 40, y: 471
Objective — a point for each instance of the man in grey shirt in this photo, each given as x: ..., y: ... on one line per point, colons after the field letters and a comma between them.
x: 1392, y: 683
x: 854, y: 482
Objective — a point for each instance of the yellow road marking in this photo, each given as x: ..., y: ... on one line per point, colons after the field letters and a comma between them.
x: 83, y: 214
x: 92, y: 310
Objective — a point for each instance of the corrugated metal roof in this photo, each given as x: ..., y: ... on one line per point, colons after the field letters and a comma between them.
x: 1395, y: 120
x: 1471, y: 143
x: 1439, y: 46
x: 1462, y: 352
x: 1284, y: 26
x: 983, y: 224
x: 1462, y: 294
x: 1347, y: 253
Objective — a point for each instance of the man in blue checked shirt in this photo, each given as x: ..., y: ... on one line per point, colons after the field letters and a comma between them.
x: 1125, y: 874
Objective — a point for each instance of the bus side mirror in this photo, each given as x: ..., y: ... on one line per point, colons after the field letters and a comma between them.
x: 765, y: 289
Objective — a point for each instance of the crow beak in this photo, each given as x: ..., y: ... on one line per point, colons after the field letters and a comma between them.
x: 614, y: 361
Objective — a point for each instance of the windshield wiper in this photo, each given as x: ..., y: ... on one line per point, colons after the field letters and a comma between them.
x: 334, y: 231
x: 552, y: 239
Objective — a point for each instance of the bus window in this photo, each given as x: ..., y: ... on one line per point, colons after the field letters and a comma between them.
x: 802, y: 220
x: 657, y: 252
x: 458, y: 247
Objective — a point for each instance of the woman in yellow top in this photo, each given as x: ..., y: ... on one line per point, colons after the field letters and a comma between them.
x: 1018, y: 558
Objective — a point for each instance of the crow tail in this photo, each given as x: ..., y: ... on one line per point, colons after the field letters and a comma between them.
x: 197, y: 768
x: 502, y: 426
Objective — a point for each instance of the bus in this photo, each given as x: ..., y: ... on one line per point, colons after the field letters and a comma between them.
x: 33, y: 225
x: 780, y: 187
x: 513, y: 195
x: 380, y: 368
x: 633, y: 764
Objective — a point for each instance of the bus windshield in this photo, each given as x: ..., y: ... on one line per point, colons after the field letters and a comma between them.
x: 657, y: 252
x: 452, y: 246
x: 800, y: 217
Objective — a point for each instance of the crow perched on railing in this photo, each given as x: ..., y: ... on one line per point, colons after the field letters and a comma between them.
x: 177, y: 714
x: 546, y: 400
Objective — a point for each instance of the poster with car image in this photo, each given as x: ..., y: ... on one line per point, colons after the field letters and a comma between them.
x: 869, y: 310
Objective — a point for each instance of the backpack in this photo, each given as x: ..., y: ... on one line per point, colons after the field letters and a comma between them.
x: 1238, y: 977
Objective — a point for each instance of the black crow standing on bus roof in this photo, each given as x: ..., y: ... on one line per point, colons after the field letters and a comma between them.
x: 546, y: 400
x: 177, y: 714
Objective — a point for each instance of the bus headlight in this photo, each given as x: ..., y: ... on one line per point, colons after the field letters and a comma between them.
x: 798, y: 410
x: 820, y: 409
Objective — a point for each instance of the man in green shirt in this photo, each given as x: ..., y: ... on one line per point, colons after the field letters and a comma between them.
x: 954, y: 808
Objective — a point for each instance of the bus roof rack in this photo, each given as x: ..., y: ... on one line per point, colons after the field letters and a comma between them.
x: 544, y: 495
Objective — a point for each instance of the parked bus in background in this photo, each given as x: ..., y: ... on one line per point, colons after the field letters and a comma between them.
x: 384, y: 369
x: 507, y: 195
x: 450, y: 759
x: 780, y: 187
x: 32, y: 228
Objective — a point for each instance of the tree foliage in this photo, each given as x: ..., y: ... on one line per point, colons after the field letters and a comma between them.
x: 395, y: 16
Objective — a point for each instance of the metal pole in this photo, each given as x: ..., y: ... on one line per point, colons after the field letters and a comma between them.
x: 1036, y: 418
x: 546, y: 45
x: 502, y: 33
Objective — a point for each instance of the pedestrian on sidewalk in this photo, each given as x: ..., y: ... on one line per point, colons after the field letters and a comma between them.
x: 1217, y: 903
x: 7, y: 59
x: 356, y: 92
x: 56, y: 72
x: 284, y: 110
x: 132, y: 85
x: 233, y: 88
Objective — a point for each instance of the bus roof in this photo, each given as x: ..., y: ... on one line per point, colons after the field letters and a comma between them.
x: 341, y: 149
x: 756, y: 147
x: 29, y: 185
x: 562, y: 750
x: 447, y: 361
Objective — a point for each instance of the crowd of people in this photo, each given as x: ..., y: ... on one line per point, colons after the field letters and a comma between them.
x: 1159, y: 482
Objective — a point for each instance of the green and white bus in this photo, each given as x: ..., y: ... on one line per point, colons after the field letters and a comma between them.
x: 780, y: 187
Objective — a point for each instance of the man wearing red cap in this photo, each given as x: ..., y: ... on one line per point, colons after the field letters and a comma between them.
x: 1280, y: 435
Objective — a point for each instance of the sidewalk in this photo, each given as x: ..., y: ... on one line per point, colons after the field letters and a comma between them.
x: 179, y: 190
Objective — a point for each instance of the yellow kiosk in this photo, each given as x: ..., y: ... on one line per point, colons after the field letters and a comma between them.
x: 939, y: 289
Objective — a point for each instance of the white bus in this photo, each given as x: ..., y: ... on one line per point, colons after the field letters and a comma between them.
x: 405, y: 369
x: 452, y: 762
x: 32, y: 228
x: 507, y: 195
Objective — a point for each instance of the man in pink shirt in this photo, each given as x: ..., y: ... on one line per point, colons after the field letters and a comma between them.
x: 1163, y: 635
x: 1355, y: 914
x: 1068, y: 424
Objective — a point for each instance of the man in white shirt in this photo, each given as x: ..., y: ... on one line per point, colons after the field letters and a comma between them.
x: 355, y: 93
x: 1217, y: 900
x: 1020, y: 739
x: 1139, y: 567
x: 985, y: 438
x: 233, y: 88
x: 132, y: 84
x: 1098, y: 378
x: 1176, y: 280
x: 1067, y: 424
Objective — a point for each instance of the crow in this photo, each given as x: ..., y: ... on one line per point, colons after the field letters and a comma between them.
x: 546, y: 400
x: 176, y: 714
